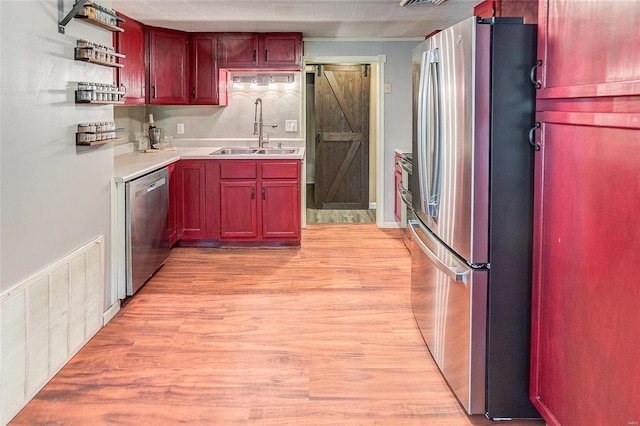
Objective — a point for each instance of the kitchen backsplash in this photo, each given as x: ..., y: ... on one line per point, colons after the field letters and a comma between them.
x: 283, y: 102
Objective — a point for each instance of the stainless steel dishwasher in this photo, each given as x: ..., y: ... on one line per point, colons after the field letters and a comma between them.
x: 147, y: 227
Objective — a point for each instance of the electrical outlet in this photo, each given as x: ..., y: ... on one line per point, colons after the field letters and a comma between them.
x: 181, y: 128
x: 291, y: 125
x: 387, y: 88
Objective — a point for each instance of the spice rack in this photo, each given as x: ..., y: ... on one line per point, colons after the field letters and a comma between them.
x: 97, y: 93
x: 90, y: 134
x: 96, y: 55
x: 94, y: 14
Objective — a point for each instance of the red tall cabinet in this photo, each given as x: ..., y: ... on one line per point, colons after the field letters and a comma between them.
x: 586, y: 322
x: 131, y: 43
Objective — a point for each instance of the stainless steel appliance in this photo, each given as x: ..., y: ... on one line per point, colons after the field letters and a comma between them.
x: 147, y: 227
x: 404, y: 162
x: 472, y: 196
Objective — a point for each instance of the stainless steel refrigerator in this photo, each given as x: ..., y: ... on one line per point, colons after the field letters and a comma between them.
x: 472, y: 200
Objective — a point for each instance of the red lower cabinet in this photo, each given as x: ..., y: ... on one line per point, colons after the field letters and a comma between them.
x: 191, y: 208
x: 585, y: 314
x: 280, y: 209
x: 173, y: 204
x: 260, y: 200
x: 216, y: 201
x: 238, y: 210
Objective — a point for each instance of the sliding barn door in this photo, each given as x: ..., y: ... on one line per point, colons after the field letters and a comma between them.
x: 342, y: 137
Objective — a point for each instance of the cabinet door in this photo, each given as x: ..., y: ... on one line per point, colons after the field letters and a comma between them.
x: 280, y: 209
x: 168, y: 67
x: 567, y: 44
x: 174, y: 195
x: 585, y: 340
x: 131, y: 43
x: 238, y: 210
x: 586, y: 344
x: 204, y: 70
x: 193, y: 195
x: 238, y: 50
x: 280, y: 51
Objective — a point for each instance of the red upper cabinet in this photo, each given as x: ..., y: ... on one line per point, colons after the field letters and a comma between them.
x: 576, y: 62
x: 131, y: 43
x: 527, y: 9
x: 168, y: 67
x: 238, y: 50
x: 278, y: 51
x: 204, y: 69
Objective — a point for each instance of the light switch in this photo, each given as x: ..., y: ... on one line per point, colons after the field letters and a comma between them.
x: 181, y: 128
x: 291, y: 125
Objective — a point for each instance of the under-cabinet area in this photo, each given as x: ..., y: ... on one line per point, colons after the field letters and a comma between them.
x: 213, y: 201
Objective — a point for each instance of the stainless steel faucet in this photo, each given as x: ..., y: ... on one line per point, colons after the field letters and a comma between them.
x: 258, y: 124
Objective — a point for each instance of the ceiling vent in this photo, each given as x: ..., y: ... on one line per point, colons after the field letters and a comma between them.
x: 415, y: 2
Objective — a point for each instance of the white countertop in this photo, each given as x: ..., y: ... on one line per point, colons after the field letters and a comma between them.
x: 131, y: 165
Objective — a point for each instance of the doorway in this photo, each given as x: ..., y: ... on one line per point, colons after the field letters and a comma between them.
x: 341, y: 149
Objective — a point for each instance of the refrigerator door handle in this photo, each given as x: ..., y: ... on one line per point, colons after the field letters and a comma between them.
x: 434, y: 90
x: 421, y: 134
x: 455, y: 273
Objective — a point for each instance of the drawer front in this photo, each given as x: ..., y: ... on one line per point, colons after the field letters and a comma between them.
x: 238, y: 169
x: 280, y: 170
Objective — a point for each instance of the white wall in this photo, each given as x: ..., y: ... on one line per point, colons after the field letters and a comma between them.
x: 55, y: 197
x: 397, y: 104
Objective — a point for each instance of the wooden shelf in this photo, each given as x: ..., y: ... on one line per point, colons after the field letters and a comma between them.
x: 74, y: 14
x: 103, y: 63
x: 102, y: 142
x: 98, y: 23
x: 101, y: 102
x: 117, y: 55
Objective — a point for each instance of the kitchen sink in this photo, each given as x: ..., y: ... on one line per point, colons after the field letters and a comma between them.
x: 234, y: 151
x: 240, y: 150
x: 276, y: 151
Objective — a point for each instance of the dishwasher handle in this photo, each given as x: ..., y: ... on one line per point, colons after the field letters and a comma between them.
x: 150, y: 187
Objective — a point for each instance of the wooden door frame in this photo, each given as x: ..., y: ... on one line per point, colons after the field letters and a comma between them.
x: 377, y: 99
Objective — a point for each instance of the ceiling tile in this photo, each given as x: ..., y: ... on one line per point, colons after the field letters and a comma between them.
x: 314, y: 18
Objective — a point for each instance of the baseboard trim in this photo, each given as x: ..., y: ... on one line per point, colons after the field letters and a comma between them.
x: 111, y: 312
x: 390, y: 225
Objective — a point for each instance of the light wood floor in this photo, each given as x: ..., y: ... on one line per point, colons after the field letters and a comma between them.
x: 341, y: 216
x: 320, y: 335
